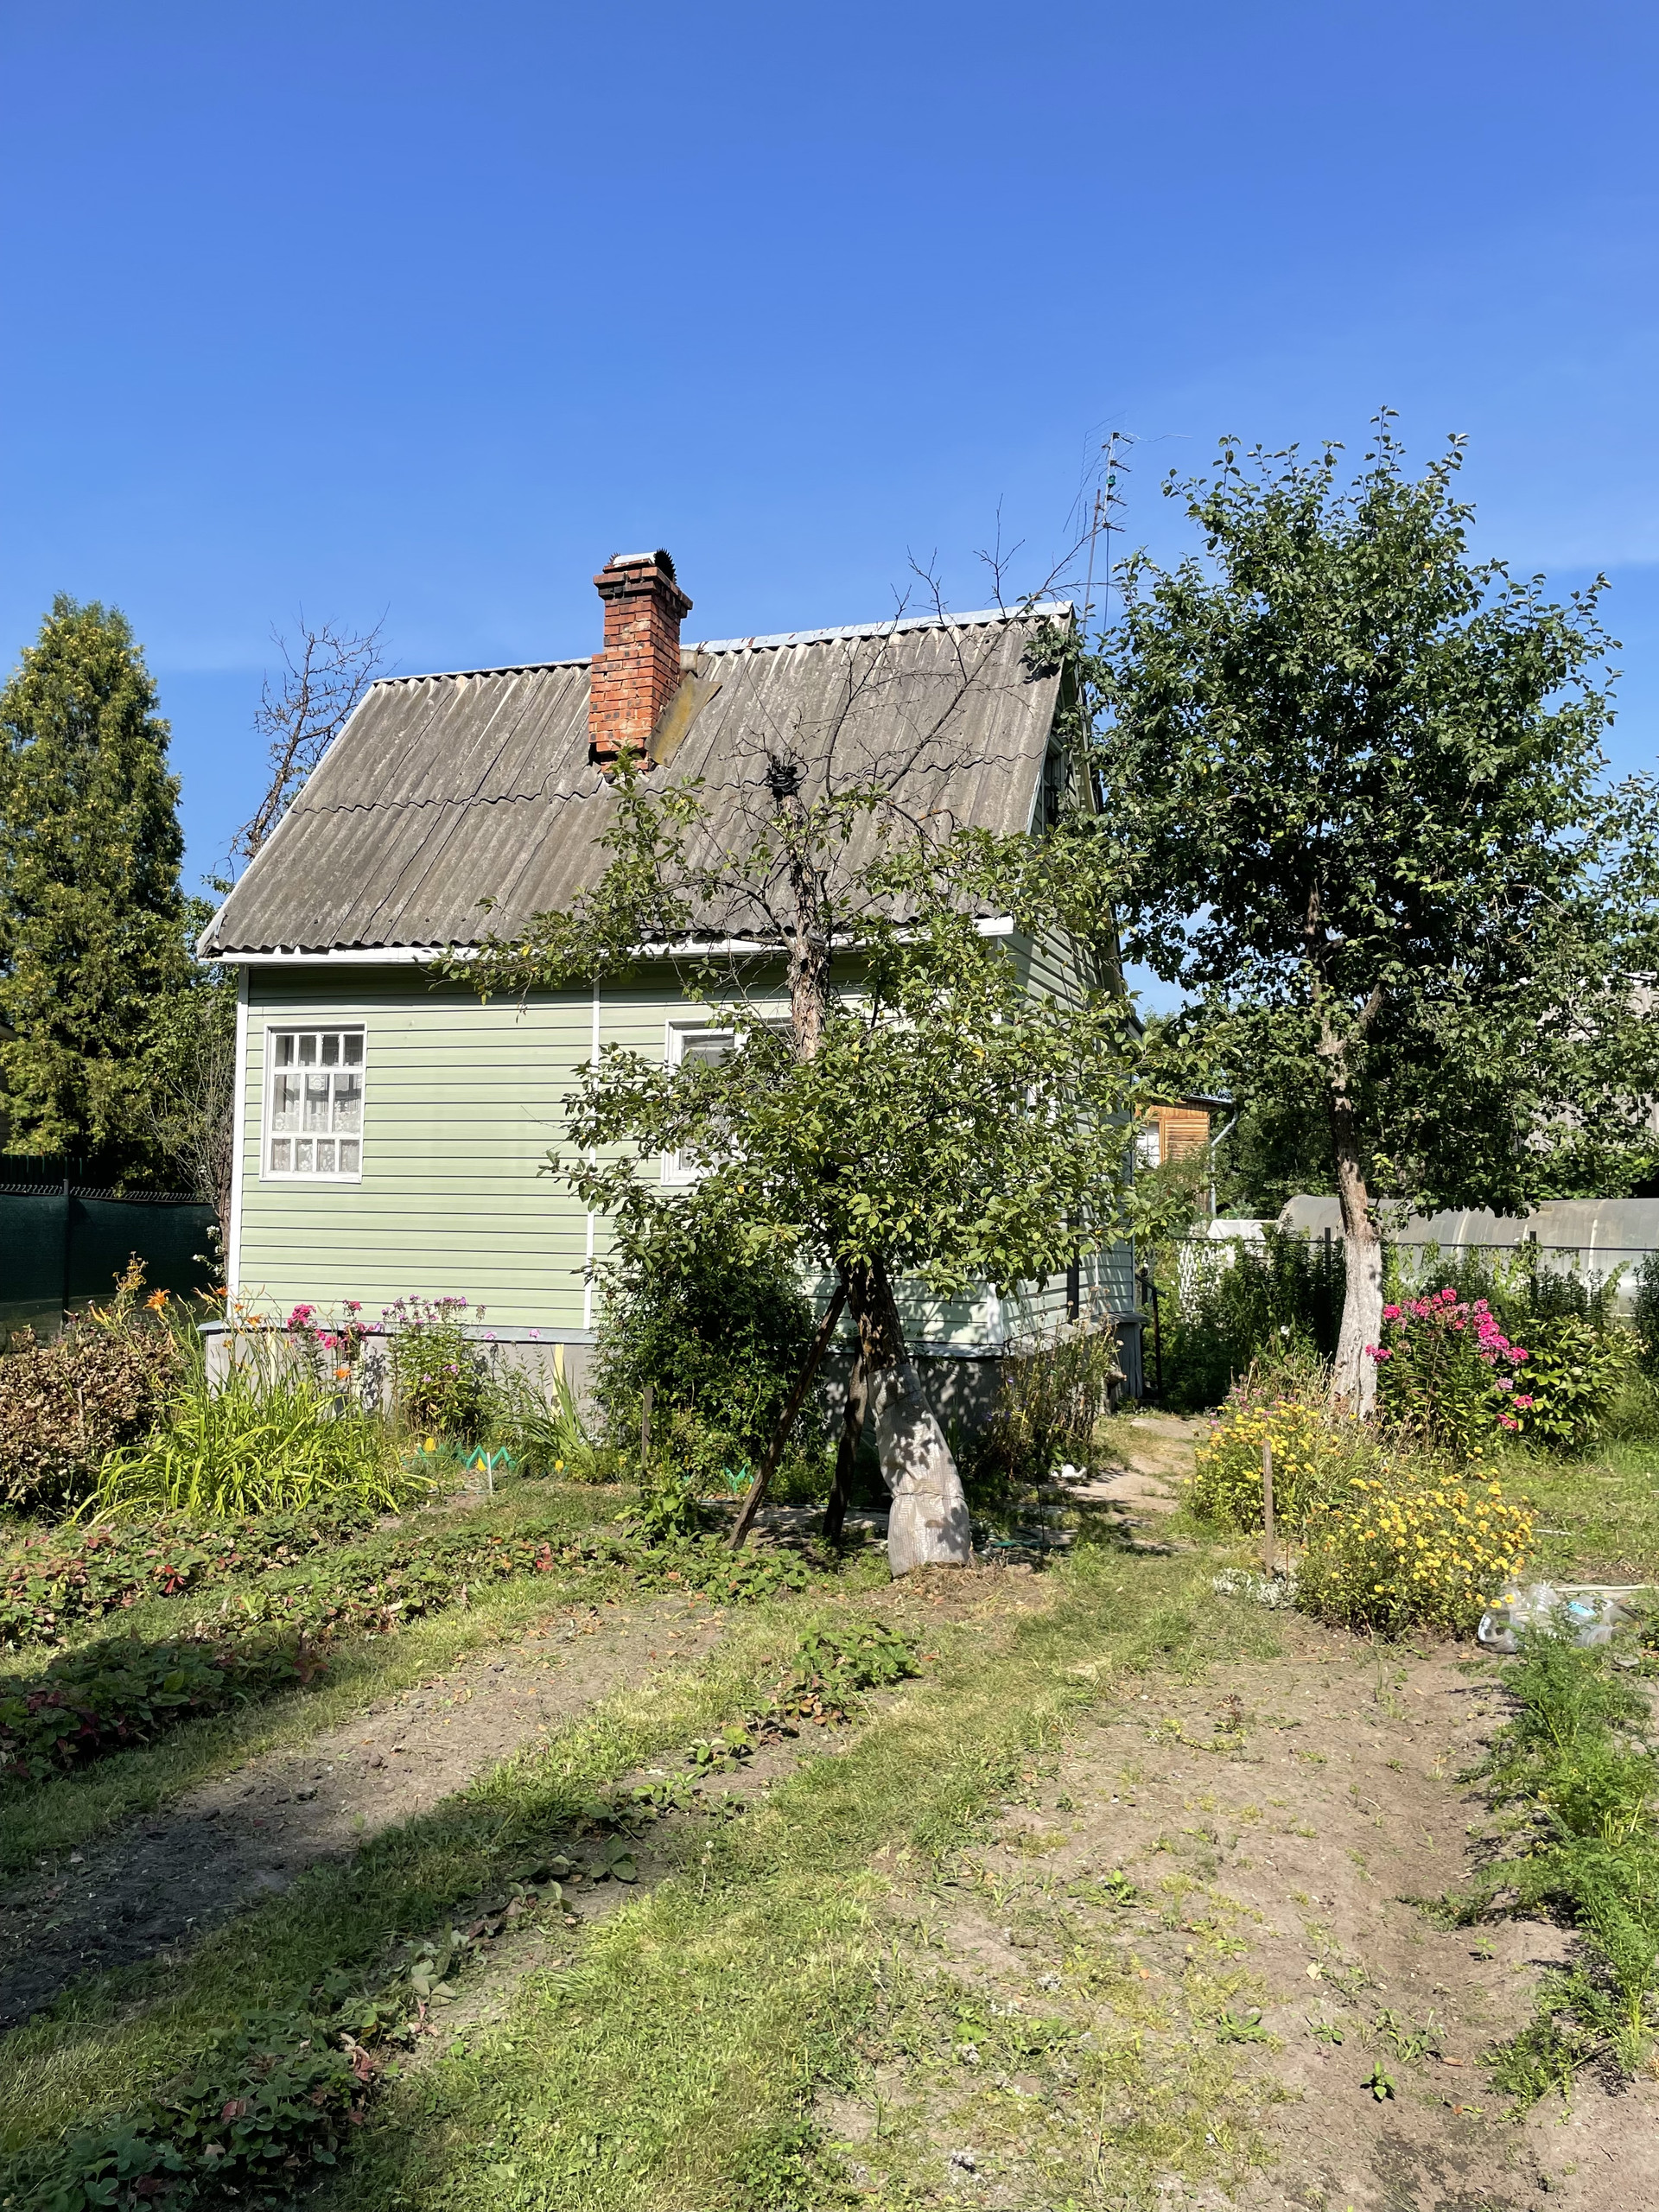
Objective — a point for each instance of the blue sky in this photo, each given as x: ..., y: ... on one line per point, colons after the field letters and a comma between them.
x: 429, y: 309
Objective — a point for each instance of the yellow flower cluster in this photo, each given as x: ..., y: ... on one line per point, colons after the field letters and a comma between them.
x: 1403, y: 1546
x: 1225, y: 1487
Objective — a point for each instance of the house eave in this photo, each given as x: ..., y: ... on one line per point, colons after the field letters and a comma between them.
x: 413, y: 955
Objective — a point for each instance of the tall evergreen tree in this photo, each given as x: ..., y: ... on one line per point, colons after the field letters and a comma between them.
x: 91, y: 914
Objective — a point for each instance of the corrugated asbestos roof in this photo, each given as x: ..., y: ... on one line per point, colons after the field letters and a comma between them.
x: 443, y: 791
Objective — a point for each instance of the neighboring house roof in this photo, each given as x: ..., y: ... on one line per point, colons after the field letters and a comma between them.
x: 443, y: 791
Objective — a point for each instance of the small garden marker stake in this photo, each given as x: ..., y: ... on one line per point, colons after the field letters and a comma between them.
x: 645, y: 1429
x: 1267, y: 1506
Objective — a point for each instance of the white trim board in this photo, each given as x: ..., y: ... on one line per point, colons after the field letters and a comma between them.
x: 239, y: 1141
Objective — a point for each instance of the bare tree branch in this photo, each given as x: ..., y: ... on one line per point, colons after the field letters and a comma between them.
x: 324, y: 674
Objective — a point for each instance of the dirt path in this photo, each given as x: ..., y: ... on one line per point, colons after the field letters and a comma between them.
x: 249, y: 1833
x: 1257, y: 1840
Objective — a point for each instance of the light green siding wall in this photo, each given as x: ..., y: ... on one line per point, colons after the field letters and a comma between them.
x: 1057, y: 967
x: 461, y: 1103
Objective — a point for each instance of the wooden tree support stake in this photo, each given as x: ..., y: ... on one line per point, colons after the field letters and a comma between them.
x: 816, y: 1350
x: 1267, y: 1508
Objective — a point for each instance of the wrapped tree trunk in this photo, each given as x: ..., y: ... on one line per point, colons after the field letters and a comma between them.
x: 928, y: 1516
x: 1362, y: 1304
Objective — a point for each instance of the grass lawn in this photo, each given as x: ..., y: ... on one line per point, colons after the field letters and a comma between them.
x: 690, y: 2025
x: 1597, y: 1517
x: 688, y: 2044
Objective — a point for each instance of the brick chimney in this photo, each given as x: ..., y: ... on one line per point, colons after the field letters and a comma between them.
x: 638, y: 671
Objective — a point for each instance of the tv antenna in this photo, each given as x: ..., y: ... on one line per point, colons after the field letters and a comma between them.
x: 1107, y: 497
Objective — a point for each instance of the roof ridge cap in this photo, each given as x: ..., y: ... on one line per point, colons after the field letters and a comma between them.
x: 888, y: 625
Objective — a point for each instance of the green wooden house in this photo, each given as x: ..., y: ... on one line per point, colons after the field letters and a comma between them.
x: 388, y: 1127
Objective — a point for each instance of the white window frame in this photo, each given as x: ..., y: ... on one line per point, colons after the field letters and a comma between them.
x: 679, y: 1171
x: 274, y: 1031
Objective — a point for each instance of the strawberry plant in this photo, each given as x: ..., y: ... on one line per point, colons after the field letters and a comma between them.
x: 117, y: 1694
x: 49, y: 1583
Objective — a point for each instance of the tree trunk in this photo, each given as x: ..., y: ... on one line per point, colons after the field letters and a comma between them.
x: 786, y: 1423
x: 852, y: 1429
x: 1362, y: 1305
x: 927, y: 1523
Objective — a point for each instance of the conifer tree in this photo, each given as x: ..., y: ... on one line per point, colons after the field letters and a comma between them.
x: 91, y: 914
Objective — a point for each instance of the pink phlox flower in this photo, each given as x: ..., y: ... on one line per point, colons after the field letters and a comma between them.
x: 300, y: 1316
x: 1522, y: 1400
x: 354, y: 1305
x: 1390, y: 1312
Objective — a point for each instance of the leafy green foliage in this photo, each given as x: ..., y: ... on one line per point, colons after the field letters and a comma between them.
x: 50, y: 1582
x: 91, y: 913
x: 540, y: 1424
x: 717, y: 1334
x: 1052, y: 1395
x: 1351, y: 779
x: 438, y: 1376
x: 270, y: 2103
x: 835, y: 1664
x: 1572, y: 1375
x: 257, y: 1444
x: 1578, y: 1750
x: 1644, y: 1315
x: 109, y: 1695
x: 1228, y: 1303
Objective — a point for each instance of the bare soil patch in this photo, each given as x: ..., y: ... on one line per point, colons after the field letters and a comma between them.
x: 1225, y: 1876
x: 247, y: 1834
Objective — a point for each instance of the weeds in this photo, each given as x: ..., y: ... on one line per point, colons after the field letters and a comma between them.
x: 274, y: 1629
x: 1578, y: 1757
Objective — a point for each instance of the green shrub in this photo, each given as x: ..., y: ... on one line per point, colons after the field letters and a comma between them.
x: 63, y: 1405
x: 720, y: 1336
x: 1051, y: 1394
x: 439, y: 1376
x: 1572, y: 1377
x: 1405, y: 1545
x: 1644, y: 1315
x: 1227, y: 1303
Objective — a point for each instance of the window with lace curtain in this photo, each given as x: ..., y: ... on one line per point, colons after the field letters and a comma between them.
x: 313, y: 1118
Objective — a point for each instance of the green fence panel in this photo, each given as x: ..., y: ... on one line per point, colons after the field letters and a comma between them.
x: 33, y: 1228
x: 57, y: 1248
x: 105, y: 1233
